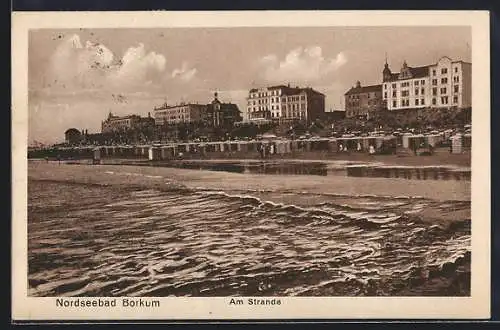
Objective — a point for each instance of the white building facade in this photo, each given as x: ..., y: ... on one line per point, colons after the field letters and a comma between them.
x: 445, y: 84
x: 283, y: 103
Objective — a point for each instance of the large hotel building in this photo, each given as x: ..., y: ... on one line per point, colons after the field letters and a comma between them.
x: 284, y: 103
x: 180, y: 113
x: 444, y: 84
x: 215, y: 114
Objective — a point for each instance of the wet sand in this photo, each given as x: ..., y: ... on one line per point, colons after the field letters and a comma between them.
x: 311, y: 189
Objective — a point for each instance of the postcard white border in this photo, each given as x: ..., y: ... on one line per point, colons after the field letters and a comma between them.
x: 476, y: 306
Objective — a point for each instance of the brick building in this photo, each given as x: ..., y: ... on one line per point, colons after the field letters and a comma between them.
x: 363, y: 100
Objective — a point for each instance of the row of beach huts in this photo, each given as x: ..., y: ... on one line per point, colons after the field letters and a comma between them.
x: 458, y: 143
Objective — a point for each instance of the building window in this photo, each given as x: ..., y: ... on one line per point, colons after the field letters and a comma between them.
x: 444, y: 80
x: 433, y: 72
x: 394, y: 104
x: 456, y: 69
x: 405, y: 93
x: 456, y: 79
x: 455, y: 89
x: 444, y: 71
x: 393, y: 85
x: 393, y: 93
x: 455, y: 99
x: 434, y: 81
x: 422, y: 82
x: 443, y: 90
x: 422, y: 102
x: 416, y: 91
x: 385, y: 86
x: 416, y: 82
x: 385, y: 95
x: 433, y: 101
x: 434, y: 91
x: 416, y: 102
x: 444, y: 99
x: 422, y: 91
x: 303, y: 97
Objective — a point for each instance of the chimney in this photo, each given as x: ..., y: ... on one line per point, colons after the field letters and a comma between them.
x: 358, y: 84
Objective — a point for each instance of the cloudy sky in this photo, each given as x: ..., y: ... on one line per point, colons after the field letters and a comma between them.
x: 77, y: 76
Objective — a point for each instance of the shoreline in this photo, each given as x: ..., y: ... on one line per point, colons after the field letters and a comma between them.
x: 441, y: 157
x: 163, y: 177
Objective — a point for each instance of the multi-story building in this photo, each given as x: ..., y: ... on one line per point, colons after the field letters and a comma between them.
x: 181, y: 113
x: 285, y: 103
x: 215, y: 114
x: 363, y: 100
x: 221, y: 114
x: 444, y: 84
x: 116, y: 123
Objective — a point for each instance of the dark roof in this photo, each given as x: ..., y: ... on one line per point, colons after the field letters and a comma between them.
x: 164, y: 107
x: 72, y: 130
x: 416, y: 72
x: 460, y: 61
x: 364, y: 89
x: 278, y: 87
x: 287, y: 90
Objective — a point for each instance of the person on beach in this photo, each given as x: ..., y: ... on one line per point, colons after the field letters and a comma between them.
x: 341, y: 147
x: 372, y: 150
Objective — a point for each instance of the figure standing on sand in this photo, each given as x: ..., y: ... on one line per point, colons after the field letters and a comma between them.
x: 372, y: 150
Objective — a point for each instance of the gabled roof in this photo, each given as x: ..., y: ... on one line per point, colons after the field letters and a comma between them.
x: 364, y: 89
x: 416, y: 72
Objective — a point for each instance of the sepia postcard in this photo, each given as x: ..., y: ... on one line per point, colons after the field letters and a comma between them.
x: 250, y: 165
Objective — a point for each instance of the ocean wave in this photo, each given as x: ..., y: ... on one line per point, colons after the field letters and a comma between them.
x: 109, y: 241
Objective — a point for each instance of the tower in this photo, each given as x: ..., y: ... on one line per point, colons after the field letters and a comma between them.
x: 386, y: 73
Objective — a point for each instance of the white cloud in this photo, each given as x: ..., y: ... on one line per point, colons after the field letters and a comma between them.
x: 139, y: 67
x: 74, y: 66
x: 185, y: 73
x: 300, y: 65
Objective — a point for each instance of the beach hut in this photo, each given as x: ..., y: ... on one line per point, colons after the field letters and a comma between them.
x: 415, y: 141
x: 447, y: 134
x: 251, y: 146
x: 307, y: 145
x: 332, y: 145
x: 280, y: 147
x: 154, y: 153
x: 96, y: 155
x: 434, y: 139
x: 406, y: 140
x: 456, y: 144
x: 467, y: 142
